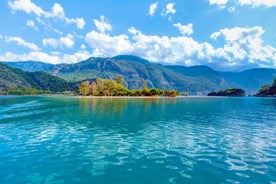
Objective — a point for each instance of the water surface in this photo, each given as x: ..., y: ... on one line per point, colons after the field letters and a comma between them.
x: 172, y: 140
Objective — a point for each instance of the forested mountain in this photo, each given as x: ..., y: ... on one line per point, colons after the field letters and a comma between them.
x: 16, y: 79
x: 134, y: 70
x: 195, y: 80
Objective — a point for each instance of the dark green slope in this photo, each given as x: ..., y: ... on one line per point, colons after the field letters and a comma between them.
x: 13, y: 79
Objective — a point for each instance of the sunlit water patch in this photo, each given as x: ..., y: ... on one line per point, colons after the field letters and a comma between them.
x: 170, y: 140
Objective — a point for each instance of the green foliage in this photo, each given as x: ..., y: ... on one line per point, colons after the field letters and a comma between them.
x: 16, y: 81
x: 146, y: 92
x: 228, y: 92
x: 29, y: 91
x: 267, y: 90
x: 106, y: 87
x: 264, y: 87
x: 84, y: 88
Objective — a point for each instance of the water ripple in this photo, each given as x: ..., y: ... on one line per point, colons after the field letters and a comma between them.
x: 189, y: 140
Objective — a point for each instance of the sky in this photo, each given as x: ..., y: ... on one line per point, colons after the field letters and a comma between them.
x: 227, y: 35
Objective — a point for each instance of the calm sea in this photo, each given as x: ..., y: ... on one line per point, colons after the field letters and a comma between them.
x: 57, y: 140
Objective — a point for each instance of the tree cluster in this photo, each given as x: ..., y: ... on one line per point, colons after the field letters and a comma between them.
x: 106, y: 87
x: 267, y: 89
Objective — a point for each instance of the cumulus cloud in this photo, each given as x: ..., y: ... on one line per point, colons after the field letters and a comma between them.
x: 106, y: 45
x: 62, y: 42
x: 57, y: 11
x: 184, y: 29
x: 102, y: 24
x: 153, y: 8
x: 27, y: 6
x: 181, y: 50
x: 244, y: 45
x: 241, y: 47
x: 19, y: 41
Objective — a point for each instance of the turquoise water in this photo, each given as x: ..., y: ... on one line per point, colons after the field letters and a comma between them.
x: 174, y: 140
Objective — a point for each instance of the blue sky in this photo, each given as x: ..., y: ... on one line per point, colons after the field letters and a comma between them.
x: 223, y: 34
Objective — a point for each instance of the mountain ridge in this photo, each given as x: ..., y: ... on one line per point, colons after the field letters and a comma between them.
x: 199, y: 79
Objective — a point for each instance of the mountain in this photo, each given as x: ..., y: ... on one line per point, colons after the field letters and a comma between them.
x: 30, y: 66
x: 195, y: 79
x: 16, y: 79
x: 134, y: 70
x: 251, y: 80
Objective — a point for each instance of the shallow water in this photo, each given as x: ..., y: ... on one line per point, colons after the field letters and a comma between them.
x: 172, y: 140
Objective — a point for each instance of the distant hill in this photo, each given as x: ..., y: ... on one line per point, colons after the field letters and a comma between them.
x: 30, y: 66
x: 13, y: 79
x: 195, y: 79
x: 251, y: 80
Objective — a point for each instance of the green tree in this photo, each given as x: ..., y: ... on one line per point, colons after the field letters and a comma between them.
x: 146, y: 92
x: 84, y: 88
x: 100, y: 86
x: 264, y: 87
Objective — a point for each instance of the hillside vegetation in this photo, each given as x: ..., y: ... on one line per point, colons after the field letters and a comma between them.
x: 13, y: 80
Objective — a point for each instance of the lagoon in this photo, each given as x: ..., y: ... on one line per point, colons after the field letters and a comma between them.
x: 152, y: 140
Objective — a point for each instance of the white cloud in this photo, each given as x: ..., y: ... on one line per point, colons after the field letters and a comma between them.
x: 170, y: 9
x: 105, y: 45
x: 181, y: 50
x: 27, y: 6
x: 256, y: 3
x: 253, y: 3
x: 102, y: 24
x: 19, y: 41
x: 153, y: 8
x: 62, y: 42
x: 245, y: 46
x: 185, y: 29
x: 54, y: 58
x: 218, y: 2
x: 31, y: 24
x: 57, y: 11
x: 242, y: 47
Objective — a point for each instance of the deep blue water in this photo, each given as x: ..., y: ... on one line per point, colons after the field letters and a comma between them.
x: 173, y: 140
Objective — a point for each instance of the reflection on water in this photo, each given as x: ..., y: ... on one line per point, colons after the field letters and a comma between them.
x: 153, y: 140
